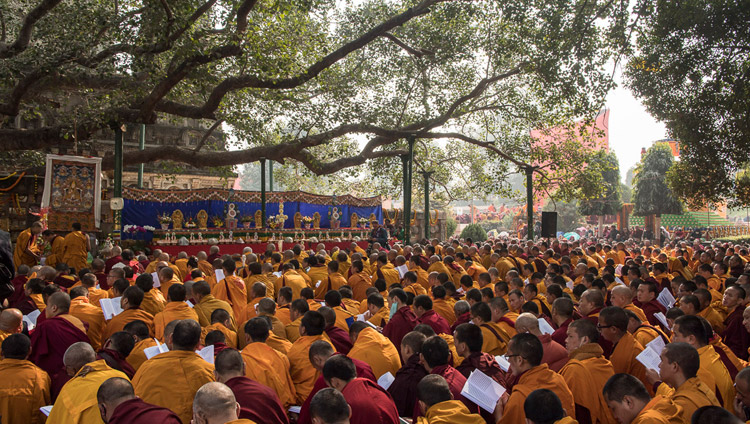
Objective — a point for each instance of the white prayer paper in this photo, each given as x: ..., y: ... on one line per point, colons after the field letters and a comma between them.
x: 482, y: 390
x: 110, y: 307
x: 207, y: 353
x: 662, y: 319
x: 544, y: 326
x: 649, y: 359
x: 403, y: 269
x: 371, y: 325
x: 618, y: 280
x: 152, y: 351
x: 31, y: 318
x: 361, y: 317
x: 317, y: 284
x: 657, y: 345
x: 503, y: 362
x: 46, y: 410
x: 157, y: 282
x: 189, y: 303
x: 278, y: 275
x: 295, y: 409
x: 666, y: 298
x: 386, y: 380
x: 219, y: 275
x: 570, y: 284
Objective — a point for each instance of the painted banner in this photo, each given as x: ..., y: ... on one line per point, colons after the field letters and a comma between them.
x: 72, y: 192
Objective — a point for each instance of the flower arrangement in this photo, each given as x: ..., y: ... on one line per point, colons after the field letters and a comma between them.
x: 218, y: 222
x: 190, y: 223
x: 247, y: 218
x: 307, y: 219
x: 165, y: 219
x: 137, y: 229
x: 271, y: 221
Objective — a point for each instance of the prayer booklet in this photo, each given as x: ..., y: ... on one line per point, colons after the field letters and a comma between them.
x: 570, y: 284
x: 152, y: 351
x: 666, y: 298
x: 31, y: 318
x: 386, y: 380
x: 46, y: 410
x: 277, y: 274
x: 482, y: 390
x: 662, y: 319
x: 503, y: 362
x: 219, y: 275
x: 157, y: 282
x: 656, y: 344
x: 544, y: 326
x: 403, y: 269
x: 650, y: 359
x: 295, y: 409
x: 207, y: 353
x: 189, y: 303
x: 110, y: 307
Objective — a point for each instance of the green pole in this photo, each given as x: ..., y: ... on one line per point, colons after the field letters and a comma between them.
x: 427, y: 204
x: 408, y: 189
x: 141, y: 146
x: 529, y: 202
x: 118, y: 173
x: 405, y: 215
x: 263, y: 190
x: 270, y: 175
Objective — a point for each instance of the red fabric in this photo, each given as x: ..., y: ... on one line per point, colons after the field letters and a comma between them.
x: 49, y: 341
x: 735, y: 334
x: 562, y: 332
x: 370, y: 403
x: 651, y: 308
x: 26, y: 305
x: 483, y: 362
x: 116, y: 361
x: 18, y: 289
x: 363, y: 371
x: 404, y: 387
x: 555, y: 355
x: 340, y: 339
x: 65, y: 281
x: 403, y: 321
x: 231, y: 249
x: 102, y: 278
x: 258, y: 403
x: 462, y: 319
x: 136, y: 411
x: 109, y: 263
x: 456, y: 382
x: 437, y: 322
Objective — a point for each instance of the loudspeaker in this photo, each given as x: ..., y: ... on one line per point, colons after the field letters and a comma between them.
x: 549, y: 224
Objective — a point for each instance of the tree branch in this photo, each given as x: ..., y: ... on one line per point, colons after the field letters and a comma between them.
x: 24, y: 35
x: 207, y: 134
x: 418, y: 52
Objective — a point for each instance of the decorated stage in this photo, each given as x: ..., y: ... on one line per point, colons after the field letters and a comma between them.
x: 257, y: 247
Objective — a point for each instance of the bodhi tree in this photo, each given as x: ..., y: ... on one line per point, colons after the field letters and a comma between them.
x: 325, y: 85
x: 651, y: 194
x: 606, y: 201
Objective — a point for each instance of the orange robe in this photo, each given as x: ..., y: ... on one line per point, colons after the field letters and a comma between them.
x: 586, y: 373
x: 137, y: 357
x: 118, y: 322
x: 692, y: 395
x: 250, y: 311
x: 380, y: 319
x: 93, y: 316
x: 292, y: 279
x: 292, y: 330
x: 232, y: 290
x: 623, y: 359
x: 714, y: 373
x: 423, y: 278
x: 301, y: 370
x: 539, y: 377
x: 495, y: 339
x: 376, y: 350
x: 638, y: 311
x: 57, y: 251
x: 95, y: 295
x: 281, y: 345
x: 164, y: 287
x: 76, y: 251
x: 450, y: 412
x: 153, y: 302
x: 359, y: 283
x: 181, y: 265
x: 171, y: 379
x: 259, y: 278
x: 319, y: 279
x: 229, y: 335
x: 389, y: 274
x: 20, y: 256
x: 24, y: 388
x: 172, y: 311
x: 415, y: 289
x: 271, y: 368
x: 208, y: 305
x: 445, y: 310
x: 659, y: 410
x: 341, y: 316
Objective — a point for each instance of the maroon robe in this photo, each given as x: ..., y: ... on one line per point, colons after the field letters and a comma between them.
x: 735, y: 334
x: 652, y: 307
x: 487, y: 364
x: 404, y: 387
x: 218, y: 347
x: 461, y: 319
x: 26, y: 305
x: 117, y: 361
x: 212, y: 257
x: 258, y: 403
x: 402, y: 322
x: 109, y: 263
x: 19, y: 283
x: 136, y: 411
x: 340, y: 339
x: 562, y: 332
x: 102, y: 278
x: 456, y: 382
x: 437, y: 322
x: 606, y: 345
x: 49, y: 341
x: 370, y: 403
x: 363, y: 371
x: 65, y: 281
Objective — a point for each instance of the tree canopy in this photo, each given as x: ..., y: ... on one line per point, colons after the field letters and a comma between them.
x: 651, y: 194
x: 607, y: 201
x: 692, y: 71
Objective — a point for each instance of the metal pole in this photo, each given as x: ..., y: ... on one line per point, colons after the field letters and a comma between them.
x: 529, y: 203
x: 263, y: 190
x: 408, y: 190
x: 405, y: 215
x: 427, y: 204
x: 270, y: 175
x: 118, y: 174
x: 141, y: 146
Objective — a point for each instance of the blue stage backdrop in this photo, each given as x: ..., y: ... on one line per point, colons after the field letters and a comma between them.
x: 143, y: 207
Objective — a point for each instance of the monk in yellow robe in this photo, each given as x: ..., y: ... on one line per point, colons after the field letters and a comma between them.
x: 25, y: 251
x: 255, y: 275
x: 630, y: 402
x: 335, y: 278
x: 441, y: 306
x: 57, y: 248
x: 182, y: 265
x: 297, y: 310
x: 11, y: 322
x: 207, y: 303
x: 90, y: 314
x: 77, y: 247
x: 131, y: 304
x: 167, y: 277
x: 301, y: 370
x: 613, y: 322
x: 76, y: 402
x: 291, y: 278
x: 267, y: 365
x: 176, y: 309
x: 156, y: 381
x: 24, y: 387
x: 373, y: 348
x: 621, y: 296
x: 495, y: 339
x: 220, y: 320
x: 89, y: 281
x: 439, y: 407
x: 318, y: 274
x: 143, y: 341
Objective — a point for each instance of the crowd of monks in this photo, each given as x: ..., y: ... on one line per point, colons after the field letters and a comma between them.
x: 384, y: 335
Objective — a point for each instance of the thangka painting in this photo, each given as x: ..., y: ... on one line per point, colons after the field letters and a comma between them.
x: 72, y: 192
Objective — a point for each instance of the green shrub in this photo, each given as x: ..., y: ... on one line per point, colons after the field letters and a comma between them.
x: 450, y: 226
x: 475, y: 232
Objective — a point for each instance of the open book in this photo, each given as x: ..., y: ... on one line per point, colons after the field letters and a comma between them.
x: 482, y: 390
x: 544, y: 326
x: 31, y: 318
x: 666, y: 298
x: 152, y: 351
x: 503, y: 362
x: 386, y: 380
x: 207, y: 353
x: 110, y: 307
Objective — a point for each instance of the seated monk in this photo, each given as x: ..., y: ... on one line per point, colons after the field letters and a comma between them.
x: 373, y: 348
x: 437, y: 405
x: 359, y: 281
x: 216, y: 339
x: 376, y: 310
x: 138, y: 330
x: 370, y: 403
x: 462, y: 310
x: 555, y: 356
x: 469, y: 339
x: 64, y: 278
x: 297, y: 310
x: 340, y: 338
x: 25, y: 387
x: 215, y: 403
x: 207, y: 303
x: 266, y: 365
x: 426, y: 315
x: 115, y: 351
x: 613, y: 325
x: 404, y: 387
x: 495, y: 338
x: 11, y: 322
x: 647, y: 292
x: 333, y: 300
x: 277, y: 339
x: 525, y: 354
x: 502, y: 316
x: 89, y: 281
x: 258, y: 402
x: 403, y: 321
x: 153, y: 300
x: 435, y: 357
x: 232, y: 290
x: 621, y: 296
x: 692, y: 304
x: 735, y: 336
x: 629, y: 402
x: 221, y: 320
x: 90, y: 314
x: 256, y: 293
x: 119, y: 405
x: 441, y: 306
x: 52, y: 337
x: 156, y: 381
x: 131, y: 310
x: 679, y: 369
x: 543, y: 406
x: 75, y: 403
x: 329, y: 406
x: 587, y: 372
x: 642, y: 331
x: 176, y: 309
x: 167, y: 277
x: 303, y: 374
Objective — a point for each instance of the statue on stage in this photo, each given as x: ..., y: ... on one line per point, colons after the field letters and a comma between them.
x: 202, y: 218
x: 316, y: 220
x: 177, y: 219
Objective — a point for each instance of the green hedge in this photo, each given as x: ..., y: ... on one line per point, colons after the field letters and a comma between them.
x: 475, y: 232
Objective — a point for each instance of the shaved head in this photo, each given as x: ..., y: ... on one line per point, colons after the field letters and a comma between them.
x: 526, y: 322
x: 61, y: 301
x: 215, y: 401
x: 115, y: 390
x: 10, y: 320
x: 78, y: 355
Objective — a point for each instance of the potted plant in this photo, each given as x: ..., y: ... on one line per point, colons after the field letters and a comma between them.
x: 307, y: 222
x: 271, y: 221
x: 247, y: 221
x: 165, y: 220
x: 363, y: 222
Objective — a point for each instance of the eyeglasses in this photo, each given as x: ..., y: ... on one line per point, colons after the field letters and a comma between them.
x: 599, y: 326
x: 511, y: 356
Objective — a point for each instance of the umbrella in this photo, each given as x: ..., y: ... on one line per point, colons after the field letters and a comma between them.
x: 581, y: 230
x: 571, y: 235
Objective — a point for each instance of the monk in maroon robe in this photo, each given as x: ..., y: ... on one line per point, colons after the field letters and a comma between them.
x: 561, y: 333
x: 122, y: 407
x: 19, y: 285
x: 115, y: 350
x: 647, y: 297
x: 461, y: 319
x: 427, y: 315
x: 402, y: 322
x: 109, y: 263
x: 404, y: 387
x: 340, y: 339
x: 735, y: 334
